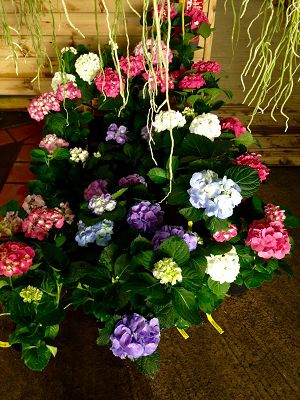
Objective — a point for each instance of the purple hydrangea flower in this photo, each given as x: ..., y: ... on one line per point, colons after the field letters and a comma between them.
x: 119, y: 134
x: 166, y: 231
x: 96, y: 188
x: 135, y: 337
x: 133, y: 179
x: 100, y: 204
x: 145, y: 133
x: 99, y: 233
x: 145, y: 217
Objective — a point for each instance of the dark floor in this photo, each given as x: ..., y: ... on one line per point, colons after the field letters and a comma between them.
x: 257, y: 358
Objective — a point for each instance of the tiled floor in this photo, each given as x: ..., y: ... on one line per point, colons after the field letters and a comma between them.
x: 29, y: 136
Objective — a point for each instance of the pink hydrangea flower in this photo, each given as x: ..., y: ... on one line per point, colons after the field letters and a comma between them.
x: 233, y: 124
x: 33, y: 201
x: 159, y: 78
x: 164, y: 13
x: 65, y: 210
x: 39, y: 222
x: 42, y: 105
x: 15, y: 258
x: 206, y: 66
x: 198, y: 17
x: 223, y: 236
x: 10, y: 225
x: 175, y: 75
x: 51, y: 142
x: 67, y: 91
x: 274, y: 213
x: 108, y: 82
x: 192, y: 81
x: 152, y: 49
x: 96, y: 188
x: 253, y: 160
x: 134, y: 67
x: 268, y: 239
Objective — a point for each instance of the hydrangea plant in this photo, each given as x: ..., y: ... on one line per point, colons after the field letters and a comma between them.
x: 142, y: 240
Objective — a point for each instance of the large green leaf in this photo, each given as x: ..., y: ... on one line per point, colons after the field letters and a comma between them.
x: 108, y: 256
x: 185, y: 304
x: 176, y: 248
x: 148, y: 365
x: 145, y: 258
x: 122, y: 266
x: 215, y: 224
x: 157, y: 175
x: 54, y: 256
x: 207, y: 300
x: 140, y: 243
x: 197, y: 145
x: 192, y: 214
x: 220, y: 289
x: 247, y: 178
x: 36, y: 358
x: 179, y: 196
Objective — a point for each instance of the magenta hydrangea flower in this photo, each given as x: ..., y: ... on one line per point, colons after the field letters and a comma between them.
x: 67, y: 91
x: 152, y: 49
x: 167, y: 231
x: 96, y: 188
x: 191, y: 81
x: 134, y: 66
x: 268, y: 239
x: 15, y: 258
x: 224, y: 236
x: 159, y: 78
x: 233, y: 124
x: 131, y: 180
x: 206, y: 66
x: 274, y: 213
x: 135, y: 337
x: 33, y: 201
x: 42, y: 105
x: 39, y: 222
x: 51, y: 142
x: 163, y: 11
x: 145, y: 217
x: 108, y: 82
x: 253, y: 160
x: 197, y: 16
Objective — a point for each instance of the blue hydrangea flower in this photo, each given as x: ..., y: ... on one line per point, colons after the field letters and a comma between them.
x: 99, y: 233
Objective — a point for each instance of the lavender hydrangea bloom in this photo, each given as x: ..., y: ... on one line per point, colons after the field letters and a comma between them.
x: 145, y: 217
x: 96, y: 188
x: 100, y: 204
x: 166, y: 231
x: 119, y: 134
x: 99, y: 233
x: 145, y: 133
x: 135, y: 337
x: 133, y: 179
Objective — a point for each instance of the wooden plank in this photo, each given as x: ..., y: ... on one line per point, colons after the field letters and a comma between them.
x: 14, y: 102
x: 23, y: 86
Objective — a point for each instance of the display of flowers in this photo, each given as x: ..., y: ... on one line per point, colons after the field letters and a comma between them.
x: 143, y: 212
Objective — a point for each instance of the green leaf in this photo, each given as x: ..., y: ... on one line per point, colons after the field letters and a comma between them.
x: 54, y: 256
x: 122, y: 266
x: 219, y: 289
x: 175, y: 165
x: 254, y: 279
x: 12, y: 205
x: 36, y: 358
x: 176, y: 248
x: 52, y: 349
x: 258, y: 206
x: 204, y: 30
x: 199, y: 264
x: 246, y: 256
x: 219, y: 248
x: 60, y: 239
x: 108, y: 256
x: 119, y: 193
x: 145, y: 258
x: 191, y: 280
x: 246, y: 140
x: 165, y: 314
x: 39, y: 155
x: 61, y: 154
x: 148, y: 365
x: 157, y: 175
x: 215, y: 224
x: 85, y: 117
x: 55, y: 123
x: 192, y: 214
x: 140, y: 243
x: 178, y: 196
x: 104, y: 333
x: 247, y: 178
x: 3, y: 283
x: 207, y: 300
x: 197, y: 145
x: 291, y: 221
x: 185, y: 304
x: 48, y: 313
x: 51, y: 332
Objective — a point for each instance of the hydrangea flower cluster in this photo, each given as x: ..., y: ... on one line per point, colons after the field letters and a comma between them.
x: 70, y: 49
x: 152, y: 50
x: 68, y: 91
x: 207, y: 125
x: 87, y: 66
x: 268, y: 239
x: 15, y: 258
x: 274, y: 213
x: 99, y: 204
x: 224, y: 236
x: 163, y: 11
x: 198, y: 17
x: 10, y: 225
x: 51, y: 142
x: 108, y: 82
x: 131, y: 180
x: 117, y: 133
x: 31, y: 294
x: 224, y: 267
x: 217, y: 196
x: 42, y: 105
x: 145, y: 217
x: 132, y: 65
x: 168, y: 120
x: 33, y: 201
x: 158, y: 77
x: 135, y: 337
x: 206, y: 66
x: 99, y: 233
x: 67, y: 213
x: 253, y: 160
x: 79, y: 155
x: 96, y: 188
x: 40, y: 221
x: 191, y: 81
x: 233, y: 124
x: 62, y: 77
x: 166, y: 231
x: 167, y: 271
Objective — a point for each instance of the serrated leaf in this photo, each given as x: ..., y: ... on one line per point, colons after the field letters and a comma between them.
x: 61, y: 154
x: 104, y: 333
x: 245, y: 139
x: 247, y: 178
x: 139, y: 244
x: 176, y: 248
x: 197, y: 145
x: 165, y: 315
x: 178, y: 196
x: 157, y: 175
x: 108, y: 255
x: 192, y: 214
x: 204, y: 30
x: 51, y: 332
x: 207, y: 300
x: 122, y: 266
x: 36, y: 358
x: 39, y: 155
x: 145, y: 258
x: 215, y: 224
x: 55, y: 123
x: 52, y: 349
x: 148, y: 365
x: 219, y: 289
x: 185, y: 304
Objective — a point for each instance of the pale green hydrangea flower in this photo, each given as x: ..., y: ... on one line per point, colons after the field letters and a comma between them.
x: 167, y: 271
x: 31, y: 294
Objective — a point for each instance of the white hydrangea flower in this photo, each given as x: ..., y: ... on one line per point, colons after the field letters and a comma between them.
x: 66, y: 49
x: 87, y: 66
x: 207, y: 125
x: 167, y: 271
x: 168, y: 120
x: 78, y: 154
x: 62, y: 77
x: 224, y: 267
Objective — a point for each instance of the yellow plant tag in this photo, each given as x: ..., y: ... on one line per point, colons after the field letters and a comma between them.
x: 183, y: 333
x: 4, y: 344
x: 214, y: 324
x: 190, y: 226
